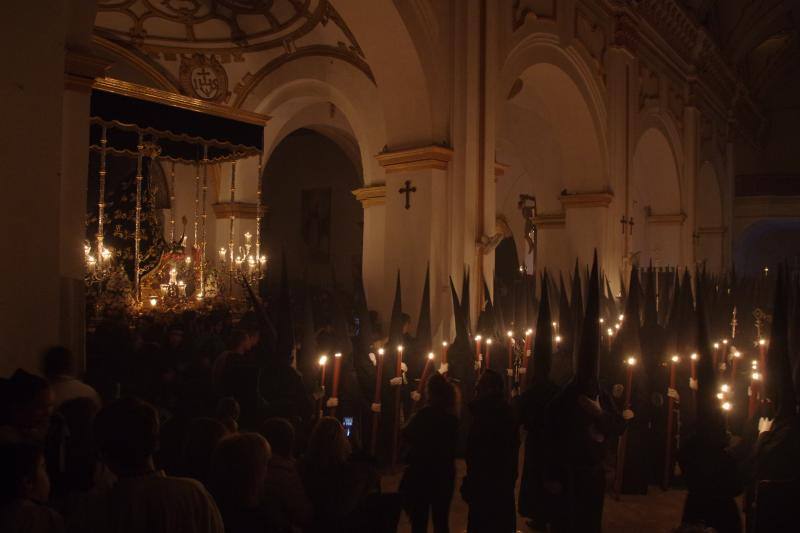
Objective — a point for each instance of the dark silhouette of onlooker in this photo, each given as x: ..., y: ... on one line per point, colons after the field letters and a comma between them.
x: 143, y: 500
x: 58, y: 366
x: 26, y: 403
x: 431, y: 436
x: 201, y: 439
x: 283, y: 485
x: 238, y: 470
x: 491, y: 457
x: 337, y: 486
x: 24, y: 489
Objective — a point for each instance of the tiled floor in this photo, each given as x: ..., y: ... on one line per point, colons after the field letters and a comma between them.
x: 658, y: 512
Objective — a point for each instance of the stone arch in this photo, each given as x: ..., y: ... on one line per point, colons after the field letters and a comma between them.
x: 710, y: 228
x: 551, y: 135
x: 386, y: 38
x: 654, y: 200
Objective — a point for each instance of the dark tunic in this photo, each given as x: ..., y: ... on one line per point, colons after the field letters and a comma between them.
x: 491, y: 457
x: 534, y: 501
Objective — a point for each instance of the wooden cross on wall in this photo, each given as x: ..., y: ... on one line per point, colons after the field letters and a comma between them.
x: 407, y: 190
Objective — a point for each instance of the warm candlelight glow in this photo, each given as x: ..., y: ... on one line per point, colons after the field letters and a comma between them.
x: 400, y: 348
x: 510, y: 334
x: 558, y: 339
x: 621, y: 318
x: 323, y: 360
x: 762, y: 342
x: 616, y: 326
x: 693, y: 357
x: 188, y: 260
x: 720, y: 396
x: 726, y: 406
x: 716, y: 346
x: 153, y: 301
x: 737, y: 354
x: 444, y: 344
x: 430, y: 356
x: 725, y: 341
x: 555, y: 324
x: 631, y: 361
x: 381, y: 351
x: 478, y: 337
x: 489, y: 342
x: 675, y: 358
x: 756, y: 376
x: 337, y: 354
x: 529, y: 332
x: 725, y: 387
x: 602, y: 320
x: 754, y: 364
x: 610, y: 331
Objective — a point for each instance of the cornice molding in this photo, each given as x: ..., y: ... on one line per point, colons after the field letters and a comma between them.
x: 370, y: 196
x: 178, y: 100
x: 586, y: 199
x: 666, y: 219
x: 550, y: 221
x: 245, y: 210
x: 717, y: 230
x: 425, y: 157
x: 81, y: 69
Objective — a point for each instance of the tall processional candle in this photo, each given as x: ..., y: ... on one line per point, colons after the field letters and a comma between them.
x: 510, y: 335
x: 674, y: 360
x: 716, y: 356
x: 754, y: 390
x: 478, y: 349
x: 735, y: 356
x: 323, y: 362
x: 488, y: 353
x: 443, y: 360
x: 623, y: 441
x: 425, y: 373
x: 527, y: 347
x: 762, y: 357
x: 337, y: 369
x: 397, y: 397
x: 376, y: 400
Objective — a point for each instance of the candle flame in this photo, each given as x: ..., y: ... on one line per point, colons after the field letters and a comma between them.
x: 444, y: 344
x: 489, y: 341
x: 558, y: 339
x: 399, y: 347
x: 381, y: 351
x: 510, y: 334
x: 631, y: 361
x: 323, y: 360
x: 478, y: 337
x: 337, y: 354
x: 725, y: 387
x: 756, y: 376
x: 610, y: 331
x: 621, y: 318
x: 602, y: 320
x: 529, y: 332
x: 693, y: 357
x: 716, y: 346
x: 675, y: 358
x: 430, y: 356
x: 720, y: 396
x: 727, y: 406
x: 762, y: 342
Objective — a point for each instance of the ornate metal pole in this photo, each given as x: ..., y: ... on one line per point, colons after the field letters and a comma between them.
x: 203, y: 219
x: 172, y: 204
x: 101, y: 196
x: 196, y: 203
x: 137, y: 236
x: 258, y: 216
x: 231, y: 235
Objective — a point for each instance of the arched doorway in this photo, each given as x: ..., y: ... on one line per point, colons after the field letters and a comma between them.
x: 546, y: 136
x: 655, y: 202
x: 310, y: 212
x: 710, y: 231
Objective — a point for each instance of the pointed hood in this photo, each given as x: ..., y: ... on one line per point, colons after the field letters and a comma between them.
x: 623, y: 294
x: 650, y: 303
x: 709, y: 413
x: 462, y: 334
x: 564, y: 313
x: 587, y: 356
x: 543, y: 343
x: 487, y: 324
x: 779, y: 384
x: 424, y: 335
x: 465, y: 300
x: 576, y: 305
x: 396, y: 322
x: 285, y: 326
x: 365, y: 333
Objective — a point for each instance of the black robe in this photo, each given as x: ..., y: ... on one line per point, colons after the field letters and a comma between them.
x: 534, y: 501
x: 577, y: 448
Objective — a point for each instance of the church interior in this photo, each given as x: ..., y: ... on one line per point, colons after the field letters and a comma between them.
x: 585, y: 201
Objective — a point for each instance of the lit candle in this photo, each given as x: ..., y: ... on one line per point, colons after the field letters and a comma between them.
x: 631, y: 362
x: 478, y: 348
x: 377, y: 399
x: 488, y: 353
x: 693, y: 365
x: 337, y: 368
x: 755, y: 386
x: 323, y: 362
x: 153, y: 301
x: 735, y: 356
x: 510, y: 335
x: 762, y: 356
x: 425, y: 372
x: 527, y: 347
x: 716, y: 355
x: 670, y: 408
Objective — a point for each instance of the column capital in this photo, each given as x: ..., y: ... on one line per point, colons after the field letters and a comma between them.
x: 245, y: 210
x: 421, y: 158
x: 666, y: 219
x: 585, y: 199
x: 369, y: 196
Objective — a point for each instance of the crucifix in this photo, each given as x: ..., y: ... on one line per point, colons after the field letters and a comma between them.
x: 627, y: 221
x: 407, y: 190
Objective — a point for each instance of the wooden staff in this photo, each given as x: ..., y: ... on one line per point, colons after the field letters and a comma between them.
x: 397, y: 397
x: 323, y: 362
x: 376, y: 415
x: 670, y: 409
x: 337, y: 368
x: 623, y: 440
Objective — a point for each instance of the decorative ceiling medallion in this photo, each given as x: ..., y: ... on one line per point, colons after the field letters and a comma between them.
x: 204, y: 77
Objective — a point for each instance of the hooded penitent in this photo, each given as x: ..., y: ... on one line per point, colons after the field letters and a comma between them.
x: 396, y: 321
x: 308, y: 357
x: 487, y: 320
x: 424, y: 336
x: 543, y: 344
x: 779, y: 384
x: 709, y: 418
x: 587, y: 357
x: 565, y: 325
x: 576, y: 305
x: 285, y: 342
